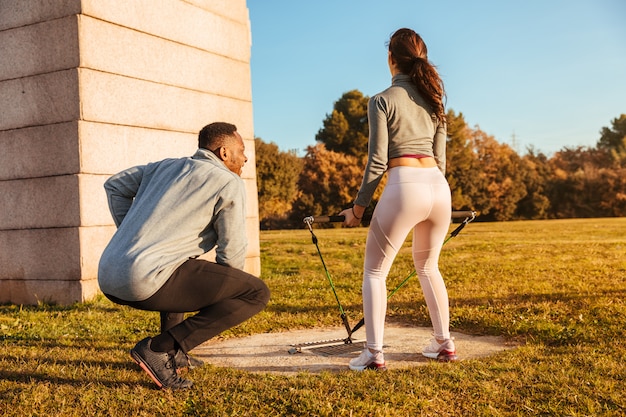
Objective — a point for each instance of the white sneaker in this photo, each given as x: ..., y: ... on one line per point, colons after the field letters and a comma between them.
x: 445, y: 352
x: 368, y: 360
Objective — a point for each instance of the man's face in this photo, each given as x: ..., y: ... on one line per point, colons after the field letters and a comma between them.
x: 233, y: 154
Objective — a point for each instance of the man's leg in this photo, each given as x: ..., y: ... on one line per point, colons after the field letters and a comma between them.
x: 169, y: 320
x: 224, y: 297
x: 182, y: 359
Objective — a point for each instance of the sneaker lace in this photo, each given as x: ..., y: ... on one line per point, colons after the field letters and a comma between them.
x: 174, y: 379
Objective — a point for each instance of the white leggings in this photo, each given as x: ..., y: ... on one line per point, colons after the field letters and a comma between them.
x: 415, y: 199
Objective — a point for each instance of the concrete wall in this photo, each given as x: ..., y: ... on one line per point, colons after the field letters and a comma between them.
x: 88, y: 88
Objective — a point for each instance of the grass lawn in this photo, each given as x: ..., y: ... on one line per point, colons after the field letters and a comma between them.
x: 557, y: 288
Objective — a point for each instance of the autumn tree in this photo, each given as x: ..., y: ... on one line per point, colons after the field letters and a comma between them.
x: 586, y: 182
x: 612, y: 202
x: 483, y: 174
x: 535, y: 172
x: 277, y: 175
x: 328, y: 182
x: 346, y: 129
x: 501, y: 171
x: 462, y: 166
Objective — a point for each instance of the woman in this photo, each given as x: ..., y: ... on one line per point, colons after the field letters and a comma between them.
x: 407, y: 137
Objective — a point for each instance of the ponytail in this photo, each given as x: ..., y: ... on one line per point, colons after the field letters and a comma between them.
x: 411, y: 56
x: 430, y: 85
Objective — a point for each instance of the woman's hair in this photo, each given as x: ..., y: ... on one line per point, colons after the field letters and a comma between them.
x: 410, y: 54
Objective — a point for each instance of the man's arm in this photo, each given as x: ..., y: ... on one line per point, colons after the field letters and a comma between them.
x: 230, y: 225
x: 121, y: 189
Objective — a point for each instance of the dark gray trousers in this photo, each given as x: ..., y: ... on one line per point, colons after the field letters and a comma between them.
x: 222, y: 296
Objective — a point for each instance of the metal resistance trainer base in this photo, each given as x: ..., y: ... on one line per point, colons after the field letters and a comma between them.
x: 333, y: 347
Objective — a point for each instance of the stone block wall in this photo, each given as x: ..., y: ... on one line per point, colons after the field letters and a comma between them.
x: 88, y: 88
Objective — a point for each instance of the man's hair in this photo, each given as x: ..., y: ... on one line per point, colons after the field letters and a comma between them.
x: 216, y: 134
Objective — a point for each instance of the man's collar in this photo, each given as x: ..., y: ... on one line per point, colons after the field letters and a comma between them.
x: 202, y: 153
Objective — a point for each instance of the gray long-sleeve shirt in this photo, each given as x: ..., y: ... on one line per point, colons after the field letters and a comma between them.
x: 400, y: 123
x: 168, y: 212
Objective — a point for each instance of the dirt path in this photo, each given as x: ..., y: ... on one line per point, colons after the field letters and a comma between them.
x: 270, y: 352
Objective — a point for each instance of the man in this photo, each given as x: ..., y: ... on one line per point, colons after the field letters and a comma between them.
x: 167, y: 214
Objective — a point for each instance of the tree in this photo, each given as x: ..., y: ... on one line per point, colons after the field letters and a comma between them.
x: 462, y: 166
x: 277, y: 174
x: 535, y: 175
x: 501, y: 170
x: 614, y: 140
x: 483, y: 174
x: 346, y: 129
x: 586, y: 182
x: 328, y: 182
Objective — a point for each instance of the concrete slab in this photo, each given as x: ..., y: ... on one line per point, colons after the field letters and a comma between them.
x: 40, y: 48
x: 39, y: 151
x: 115, y: 99
x: 37, y: 203
x: 39, y: 254
x: 218, y: 26
x: 16, y: 13
x: 270, y: 352
x: 40, y: 100
x: 24, y: 291
x: 111, y: 48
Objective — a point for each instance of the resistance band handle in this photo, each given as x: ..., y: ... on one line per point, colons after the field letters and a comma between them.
x: 338, y: 219
x: 325, y: 219
x: 463, y: 214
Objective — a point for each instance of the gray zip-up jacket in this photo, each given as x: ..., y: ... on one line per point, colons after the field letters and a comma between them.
x: 400, y: 123
x: 168, y: 212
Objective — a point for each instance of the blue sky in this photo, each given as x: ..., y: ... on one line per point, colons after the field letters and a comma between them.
x: 542, y: 73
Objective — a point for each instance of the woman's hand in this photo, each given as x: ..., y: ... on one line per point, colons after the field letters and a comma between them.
x: 353, y: 215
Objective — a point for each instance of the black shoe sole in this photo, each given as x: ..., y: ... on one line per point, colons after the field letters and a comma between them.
x: 139, y: 360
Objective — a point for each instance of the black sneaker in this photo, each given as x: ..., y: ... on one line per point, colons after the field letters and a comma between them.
x: 184, y: 360
x: 159, y: 365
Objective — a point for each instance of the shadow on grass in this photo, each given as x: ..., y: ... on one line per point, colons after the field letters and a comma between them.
x: 76, y: 363
x: 85, y: 367
x: 48, y: 307
x: 79, y: 382
x: 281, y: 308
x: 35, y: 342
x: 540, y: 298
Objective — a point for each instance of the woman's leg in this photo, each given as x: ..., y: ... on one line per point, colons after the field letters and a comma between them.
x: 428, y: 238
x: 405, y: 201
